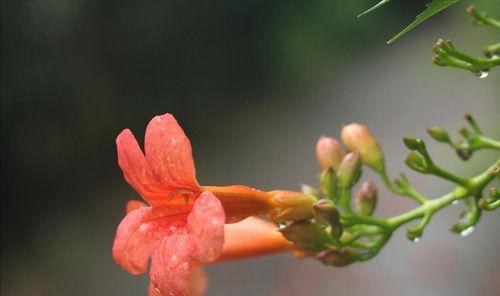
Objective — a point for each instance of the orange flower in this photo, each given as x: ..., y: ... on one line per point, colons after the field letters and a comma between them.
x: 183, y: 226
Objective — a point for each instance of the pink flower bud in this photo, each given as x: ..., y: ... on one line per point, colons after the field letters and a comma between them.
x: 329, y: 153
x: 349, y: 170
x: 366, y: 198
x: 357, y: 137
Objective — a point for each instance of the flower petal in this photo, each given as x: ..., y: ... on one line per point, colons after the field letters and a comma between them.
x: 199, y: 283
x: 136, y: 170
x: 134, y: 205
x: 152, y: 291
x: 252, y: 237
x: 139, y: 232
x: 168, y: 152
x: 206, y: 226
x: 171, y: 264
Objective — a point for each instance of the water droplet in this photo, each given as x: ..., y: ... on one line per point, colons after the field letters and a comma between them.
x: 174, y: 261
x: 467, y: 231
x: 281, y: 225
x: 416, y: 239
x: 454, y: 203
x: 481, y: 73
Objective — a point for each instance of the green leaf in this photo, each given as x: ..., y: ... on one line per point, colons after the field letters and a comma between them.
x: 378, y: 5
x: 433, y: 7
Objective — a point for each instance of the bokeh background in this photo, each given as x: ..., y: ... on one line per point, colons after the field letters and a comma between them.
x: 253, y: 83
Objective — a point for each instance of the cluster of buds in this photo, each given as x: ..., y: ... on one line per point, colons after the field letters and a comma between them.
x: 336, y: 223
x: 323, y: 234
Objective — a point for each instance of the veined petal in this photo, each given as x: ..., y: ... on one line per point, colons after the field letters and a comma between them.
x: 171, y: 264
x: 206, y: 226
x: 252, y: 237
x: 136, y: 169
x: 168, y: 152
x: 139, y: 232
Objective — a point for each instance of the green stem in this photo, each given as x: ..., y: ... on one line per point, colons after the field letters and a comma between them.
x: 477, y: 184
x: 492, y: 49
x: 437, y: 171
x: 408, y: 191
x: 369, y: 220
x: 482, y: 18
x: 345, y: 199
x: 487, y: 143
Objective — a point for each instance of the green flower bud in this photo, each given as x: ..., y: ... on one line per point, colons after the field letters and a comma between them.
x: 439, y: 134
x: 494, y: 193
x: 291, y: 205
x: 328, y: 182
x: 366, y: 198
x: 305, y: 234
x: 329, y: 153
x: 326, y: 213
x: 413, y: 143
x: 414, y: 234
x: 466, y: 224
x: 337, y: 258
x: 349, y: 169
x: 358, y: 138
x: 416, y: 162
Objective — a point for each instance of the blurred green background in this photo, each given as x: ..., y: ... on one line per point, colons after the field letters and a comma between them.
x: 254, y: 84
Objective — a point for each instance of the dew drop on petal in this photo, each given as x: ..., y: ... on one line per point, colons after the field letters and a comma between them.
x: 174, y: 261
x: 467, y: 231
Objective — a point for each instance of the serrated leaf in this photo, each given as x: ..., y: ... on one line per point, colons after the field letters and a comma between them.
x: 378, y: 5
x: 433, y: 8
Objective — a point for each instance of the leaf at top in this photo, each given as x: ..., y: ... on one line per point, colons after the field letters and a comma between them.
x: 378, y: 5
x: 432, y: 8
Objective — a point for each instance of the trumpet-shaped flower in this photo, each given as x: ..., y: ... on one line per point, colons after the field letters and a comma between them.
x: 183, y: 226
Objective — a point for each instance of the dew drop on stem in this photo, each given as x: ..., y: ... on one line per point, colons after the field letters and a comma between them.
x: 482, y: 73
x: 467, y: 231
